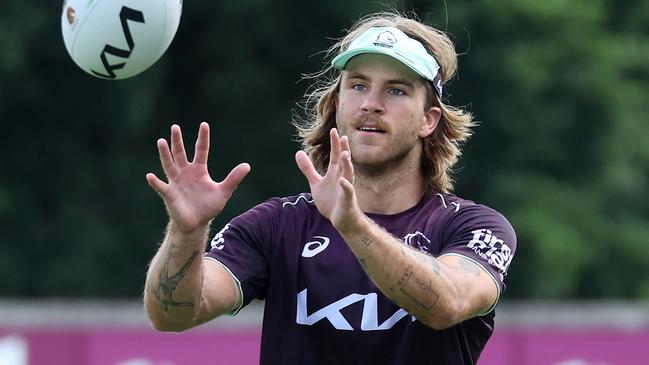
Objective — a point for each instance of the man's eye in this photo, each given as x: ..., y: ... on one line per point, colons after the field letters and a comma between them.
x: 396, y: 91
x: 358, y: 87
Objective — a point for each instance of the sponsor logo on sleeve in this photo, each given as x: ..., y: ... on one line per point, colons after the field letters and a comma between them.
x: 497, y: 253
x: 218, y: 242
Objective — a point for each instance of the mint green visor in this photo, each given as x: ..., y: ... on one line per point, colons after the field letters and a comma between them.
x: 392, y: 42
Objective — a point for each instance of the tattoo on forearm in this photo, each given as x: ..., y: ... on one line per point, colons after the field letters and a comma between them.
x: 426, y: 258
x: 426, y: 285
x: 167, y: 284
x: 366, y: 241
x: 405, y: 277
x: 469, y: 267
x: 403, y: 280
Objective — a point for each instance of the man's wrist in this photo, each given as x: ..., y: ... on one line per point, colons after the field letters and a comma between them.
x: 354, y: 228
x: 180, y: 235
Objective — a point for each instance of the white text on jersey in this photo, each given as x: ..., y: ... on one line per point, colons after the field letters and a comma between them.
x: 490, y: 247
x: 369, y: 320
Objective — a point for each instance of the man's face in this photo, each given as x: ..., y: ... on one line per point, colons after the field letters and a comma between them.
x: 380, y: 107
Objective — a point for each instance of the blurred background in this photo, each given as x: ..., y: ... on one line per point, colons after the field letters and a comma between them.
x: 561, y: 90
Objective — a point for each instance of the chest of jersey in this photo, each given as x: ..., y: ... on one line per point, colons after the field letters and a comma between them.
x: 329, y: 285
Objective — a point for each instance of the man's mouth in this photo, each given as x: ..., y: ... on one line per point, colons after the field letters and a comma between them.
x: 371, y: 129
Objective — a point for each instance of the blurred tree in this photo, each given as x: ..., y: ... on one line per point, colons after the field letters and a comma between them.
x: 560, y: 89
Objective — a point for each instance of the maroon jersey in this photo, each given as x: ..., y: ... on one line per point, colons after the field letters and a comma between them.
x: 322, y: 308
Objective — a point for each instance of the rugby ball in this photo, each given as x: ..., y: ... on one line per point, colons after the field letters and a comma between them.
x: 118, y: 39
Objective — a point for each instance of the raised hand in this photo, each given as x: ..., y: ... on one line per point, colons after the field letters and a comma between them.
x: 191, y: 196
x: 333, y: 193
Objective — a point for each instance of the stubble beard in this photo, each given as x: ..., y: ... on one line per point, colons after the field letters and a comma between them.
x: 398, y: 160
x: 401, y: 161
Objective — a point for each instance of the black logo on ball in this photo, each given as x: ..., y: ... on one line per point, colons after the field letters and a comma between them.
x: 125, y: 15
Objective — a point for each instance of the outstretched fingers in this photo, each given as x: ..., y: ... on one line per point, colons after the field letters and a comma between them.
x: 334, y: 140
x: 202, y: 144
x: 346, y: 167
x: 166, y: 160
x: 346, y: 179
x: 177, y: 146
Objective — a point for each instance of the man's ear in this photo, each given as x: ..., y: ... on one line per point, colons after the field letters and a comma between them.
x: 431, y: 119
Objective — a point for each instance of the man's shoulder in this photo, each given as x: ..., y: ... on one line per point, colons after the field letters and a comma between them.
x: 299, y: 202
x: 270, y: 216
x: 468, y: 213
x: 275, y: 206
x: 465, y: 206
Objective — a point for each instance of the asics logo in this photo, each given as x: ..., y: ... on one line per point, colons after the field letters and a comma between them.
x: 313, y: 248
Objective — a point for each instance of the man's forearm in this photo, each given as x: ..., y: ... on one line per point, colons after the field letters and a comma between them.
x: 174, y: 281
x: 413, y: 280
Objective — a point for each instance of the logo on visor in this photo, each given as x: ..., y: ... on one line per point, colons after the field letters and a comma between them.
x: 385, y: 39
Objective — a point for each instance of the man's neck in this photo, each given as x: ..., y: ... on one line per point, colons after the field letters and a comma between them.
x: 389, y: 192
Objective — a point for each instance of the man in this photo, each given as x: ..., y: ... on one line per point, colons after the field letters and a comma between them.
x: 380, y: 263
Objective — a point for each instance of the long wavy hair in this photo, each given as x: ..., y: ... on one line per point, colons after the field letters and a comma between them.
x: 441, y: 150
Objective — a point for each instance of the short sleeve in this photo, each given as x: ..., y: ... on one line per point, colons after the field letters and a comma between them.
x: 483, y: 235
x: 243, y: 247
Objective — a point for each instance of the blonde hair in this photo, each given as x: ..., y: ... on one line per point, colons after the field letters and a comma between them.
x: 441, y: 149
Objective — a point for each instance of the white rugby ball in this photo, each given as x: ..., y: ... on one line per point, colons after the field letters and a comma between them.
x: 117, y: 39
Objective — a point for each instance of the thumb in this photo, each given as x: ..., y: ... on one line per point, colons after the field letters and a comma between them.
x: 306, y: 166
x: 158, y: 185
x: 234, y: 178
x: 348, y: 189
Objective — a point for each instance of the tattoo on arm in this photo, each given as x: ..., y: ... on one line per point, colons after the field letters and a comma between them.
x: 469, y: 267
x: 167, y: 284
x: 403, y: 280
x: 426, y: 258
x: 424, y: 284
x: 366, y: 241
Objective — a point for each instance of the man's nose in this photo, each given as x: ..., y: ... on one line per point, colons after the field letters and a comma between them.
x: 373, y: 102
